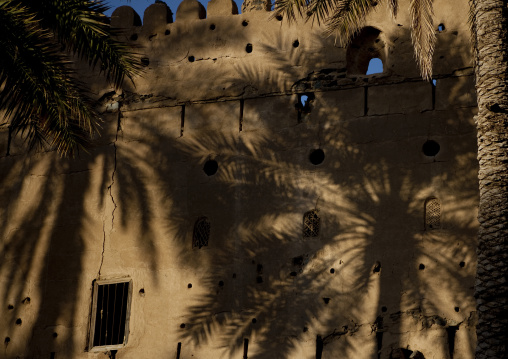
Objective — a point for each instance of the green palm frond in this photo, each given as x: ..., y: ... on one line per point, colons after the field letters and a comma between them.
x: 348, y: 18
x: 40, y: 95
x: 423, y: 35
x: 82, y: 28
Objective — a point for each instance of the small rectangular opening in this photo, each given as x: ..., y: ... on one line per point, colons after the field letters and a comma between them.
x: 109, y: 326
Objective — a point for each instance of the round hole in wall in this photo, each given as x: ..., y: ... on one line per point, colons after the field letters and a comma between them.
x: 19, y: 321
x: 134, y: 37
x: 457, y: 309
x: 317, y: 157
x: 182, y: 325
x: 248, y: 48
x: 189, y: 285
x: 55, y: 334
x: 10, y: 307
x: 211, y: 167
x: 167, y: 32
x: 245, y: 23
x: 142, y: 292
x: 279, y: 17
x: 430, y: 148
x: 441, y: 27
x: 421, y: 266
x: 332, y: 270
x: 26, y: 300
x: 326, y: 300
x: 7, y: 340
x: 296, y: 43
x: 384, y: 309
x: 305, y: 329
x: 191, y: 58
x: 259, y: 279
x: 145, y: 61
x: 221, y: 283
x: 254, y: 320
x: 462, y: 264
x: 212, y: 27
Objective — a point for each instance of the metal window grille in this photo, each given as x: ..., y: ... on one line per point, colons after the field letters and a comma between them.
x: 201, y: 233
x: 311, y: 223
x: 109, y: 327
x: 432, y: 213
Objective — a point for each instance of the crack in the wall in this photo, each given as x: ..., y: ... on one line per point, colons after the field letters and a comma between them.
x: 118, y: 129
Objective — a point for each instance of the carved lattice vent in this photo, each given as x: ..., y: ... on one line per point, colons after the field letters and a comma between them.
x: 201, y: 233
x: 311, y: 224
x: 432, y: 213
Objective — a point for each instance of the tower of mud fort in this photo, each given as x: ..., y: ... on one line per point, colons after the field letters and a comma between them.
x: 253, y: 195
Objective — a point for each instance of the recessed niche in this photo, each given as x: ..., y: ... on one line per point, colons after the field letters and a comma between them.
x: 248, y: 48
x: 19, y: 321
x: 384, y: 309
x: 10, y: 307
x: 7, y: 340
x: 189, y: 285
x: 279, y: 17
x: 367, y: 45
x: 332, y: 270
x: 377, y: 267
x: 221, y: 283
x: 430, y: 148
x: 167, y: 32
x: 182, y: 325
x: 212, y: 27
x: 245, y: 23
x: 326, y: 300
x: 259, y: 279
x: 293, y: 274
x: 211, y: 167
x: 142, y: 292
x: 296, y: 43
x: 55, y: 334
x: 421, y: 266
x: 134, y: 37
x: 462, y: 264
x: 254, y: 320
x: 191, y: 58
x: 457, y: 309
x: 317, y: 157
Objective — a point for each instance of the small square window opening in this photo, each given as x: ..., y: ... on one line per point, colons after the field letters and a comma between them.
x: 109, y: 326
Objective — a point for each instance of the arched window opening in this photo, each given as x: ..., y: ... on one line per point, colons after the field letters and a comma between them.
x: 311, y: 224
x: 432, y: 213
x: 375, y: 66
x: 201, y: 233
x: 366, y: 46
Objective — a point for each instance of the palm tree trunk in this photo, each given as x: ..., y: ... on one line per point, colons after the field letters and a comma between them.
x: 491, y: 288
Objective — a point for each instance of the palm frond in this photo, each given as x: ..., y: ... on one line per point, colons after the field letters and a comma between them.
x: 291, y: 8
x: 423, y: 35
x: 82, y: 28
x: 348, y: 18
x: 40, y: 97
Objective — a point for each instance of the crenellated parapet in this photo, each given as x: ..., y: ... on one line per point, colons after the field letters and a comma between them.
x: 218, y: 54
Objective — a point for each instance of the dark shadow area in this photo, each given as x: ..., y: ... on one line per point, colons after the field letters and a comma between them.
x: 310, y: 224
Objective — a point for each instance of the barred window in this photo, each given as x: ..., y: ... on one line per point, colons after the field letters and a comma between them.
x: 201, y: 233
x: 311, y: 222
x: 109, y: 327
x: 432, y: 213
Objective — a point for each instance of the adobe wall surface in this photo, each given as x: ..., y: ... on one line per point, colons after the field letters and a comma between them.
x: 376, y: 281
